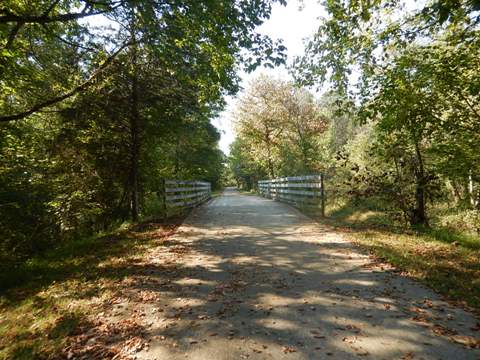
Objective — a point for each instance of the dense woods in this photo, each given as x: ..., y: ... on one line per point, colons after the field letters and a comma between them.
x: 100, y: 100
x: 395, y: 120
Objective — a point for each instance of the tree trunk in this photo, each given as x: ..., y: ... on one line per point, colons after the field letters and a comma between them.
x: 270, y: 165
x: 268, y: 145
x: 453, y: 191
x: 457, y: 191
x: 419, y: 216
x: 134, y: 132
x: 176, y: 167
x: 269, y: 159
x: 134, y: 136
x: 403, y: 205
x: 471, y: 194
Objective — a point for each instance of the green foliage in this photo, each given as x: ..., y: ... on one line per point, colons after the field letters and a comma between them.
x: 415, y: 85
x: 50, y: 296
x: 243, y: 167
x: 280, y: 131
x: 28, y: 221
x: 94, y: 117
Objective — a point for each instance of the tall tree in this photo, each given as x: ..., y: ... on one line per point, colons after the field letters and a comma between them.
x: 281, y: 127
x: 92, y: 110
x: 413, y: 65
x: 227, y: 27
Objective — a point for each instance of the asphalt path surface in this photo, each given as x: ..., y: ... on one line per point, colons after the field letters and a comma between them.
x: 256, y: 279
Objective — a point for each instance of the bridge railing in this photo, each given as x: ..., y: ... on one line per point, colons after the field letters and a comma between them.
x: 300, y: 191
x: 184, y: 193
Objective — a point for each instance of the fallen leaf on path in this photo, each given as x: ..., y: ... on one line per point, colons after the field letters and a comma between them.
x: 353, y: 328
x: 360, y: 351
x: 476, y: 327
x: 467, y: 341
x: 408, y: 356
x: 350, y: 339
x: 420, y: 319
x: 134, y: 345
x: 443, y: 331
x: 288, y: 349
x: 428, y: 303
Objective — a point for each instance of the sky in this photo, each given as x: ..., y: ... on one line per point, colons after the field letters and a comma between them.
x: 291, y: 23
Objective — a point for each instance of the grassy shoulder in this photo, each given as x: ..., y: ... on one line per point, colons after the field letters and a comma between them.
x: 248, y: 192
x: 46, y: 299
x: 217, y: 193
x: 445, y: 260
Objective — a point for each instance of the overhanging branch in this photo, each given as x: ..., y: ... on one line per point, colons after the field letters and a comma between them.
x: 68, y: 94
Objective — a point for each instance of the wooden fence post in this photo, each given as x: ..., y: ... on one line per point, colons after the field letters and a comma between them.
x: 322, y: 195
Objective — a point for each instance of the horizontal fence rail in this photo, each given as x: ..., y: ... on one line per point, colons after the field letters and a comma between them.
x: 183, y: 193
x: 301, y: 191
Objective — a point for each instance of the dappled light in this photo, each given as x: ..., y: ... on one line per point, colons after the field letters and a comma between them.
x: 292, y: 289
x: 243, y: 284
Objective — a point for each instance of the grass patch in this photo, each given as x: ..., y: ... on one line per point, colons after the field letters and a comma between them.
x: 453, y: 237
x: 251, y: 192
x: 445, y: 260
x: 43, y: 300
x: 217, y: 193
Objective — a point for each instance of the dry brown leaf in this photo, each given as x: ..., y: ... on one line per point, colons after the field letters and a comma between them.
x: 467, y: 341
x: 288, y: 349
x: 443, y: 331
x: 408, y: 356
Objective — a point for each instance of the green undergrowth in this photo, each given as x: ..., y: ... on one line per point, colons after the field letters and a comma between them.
x: 44, y: 299
x: 217, y: 193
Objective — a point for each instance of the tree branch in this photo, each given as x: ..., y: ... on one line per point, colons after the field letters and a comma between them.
x: 51, y: 7
x: 465, y: 99
x: 13, y: 34
x: 68, y: 94
x: 10, y: 17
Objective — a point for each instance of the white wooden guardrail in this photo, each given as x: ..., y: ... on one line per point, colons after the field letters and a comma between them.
x: 301, y: 191
x: 185, y: 193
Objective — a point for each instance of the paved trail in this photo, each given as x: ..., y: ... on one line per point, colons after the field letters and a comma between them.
x: 258, y: 280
